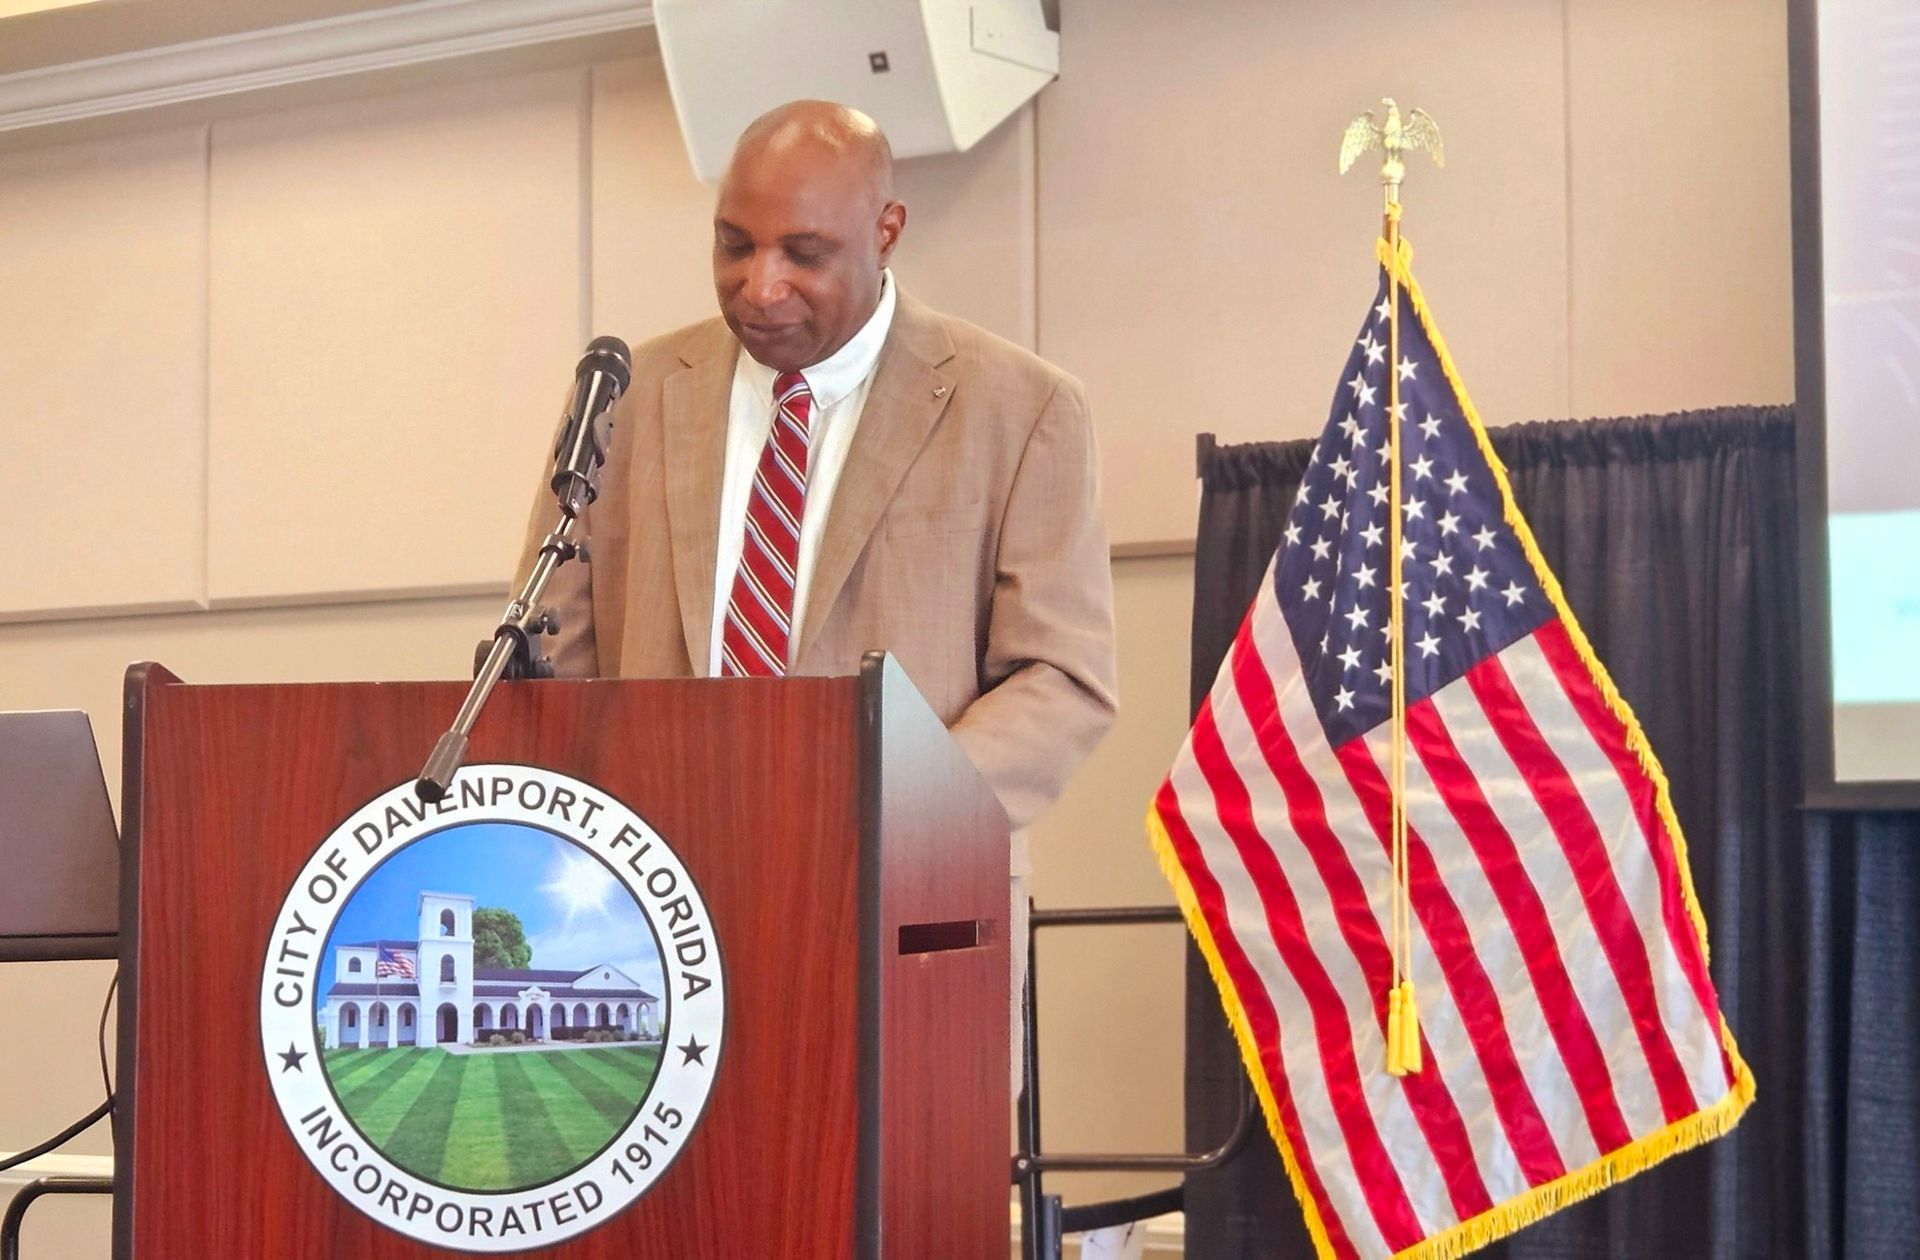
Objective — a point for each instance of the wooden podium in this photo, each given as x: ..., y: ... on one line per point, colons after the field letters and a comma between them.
x: 855, y: 868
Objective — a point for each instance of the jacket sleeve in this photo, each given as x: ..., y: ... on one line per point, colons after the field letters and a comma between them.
x: 1048, y: 667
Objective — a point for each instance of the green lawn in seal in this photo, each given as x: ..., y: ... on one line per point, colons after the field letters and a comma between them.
x: 491, y: 1121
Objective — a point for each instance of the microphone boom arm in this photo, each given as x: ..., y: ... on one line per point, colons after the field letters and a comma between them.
x: 515, y: 652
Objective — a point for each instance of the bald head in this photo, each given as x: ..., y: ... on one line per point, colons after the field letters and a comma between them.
x: 805, y: 223
x: 823, y: 134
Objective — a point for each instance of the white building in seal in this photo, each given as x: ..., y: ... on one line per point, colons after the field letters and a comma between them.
x: 447, y: 1000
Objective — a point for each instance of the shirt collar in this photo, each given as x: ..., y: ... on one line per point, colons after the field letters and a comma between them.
x: 839, y: 374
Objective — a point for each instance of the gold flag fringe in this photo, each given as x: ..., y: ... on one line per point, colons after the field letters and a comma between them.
x: 1615, y: 1166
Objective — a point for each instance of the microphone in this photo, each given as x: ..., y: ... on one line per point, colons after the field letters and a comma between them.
x: 602, y: 377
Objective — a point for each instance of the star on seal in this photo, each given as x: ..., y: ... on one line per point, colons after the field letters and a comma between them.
x: 291, y: 1057
x: 694, y: 1052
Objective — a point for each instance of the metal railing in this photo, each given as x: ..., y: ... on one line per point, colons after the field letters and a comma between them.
x: 1044, y: 1221
x: 24, y: 1199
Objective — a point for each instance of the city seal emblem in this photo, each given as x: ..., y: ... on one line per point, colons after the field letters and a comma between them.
x: 492, y: 1023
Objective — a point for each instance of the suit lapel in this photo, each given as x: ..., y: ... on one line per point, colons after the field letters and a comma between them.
x: 694, y: 406
x: 909, y: 393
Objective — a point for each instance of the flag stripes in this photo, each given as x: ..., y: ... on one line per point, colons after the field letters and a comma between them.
x: 1304, y: 988
x: 1613, y: 1085
x: 1258, y: 1024
x: 1678, y: 928
x: 1517, y: 936
x: 1311, y: 898
x: 1466, y: 975
x: 1688, y: 1035
x: 1608, y: 912
x: 1352, y: 908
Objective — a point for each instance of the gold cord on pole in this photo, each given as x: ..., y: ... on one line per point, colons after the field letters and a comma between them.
x: 1418, y: 132
x: 1403, y: 1021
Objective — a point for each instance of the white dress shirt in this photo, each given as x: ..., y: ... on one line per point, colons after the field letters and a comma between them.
x: 839, y: 385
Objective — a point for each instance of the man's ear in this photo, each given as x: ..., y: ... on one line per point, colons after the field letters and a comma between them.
x: 893, y: 221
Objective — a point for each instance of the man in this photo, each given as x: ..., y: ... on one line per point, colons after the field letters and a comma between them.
x: 831, y: 467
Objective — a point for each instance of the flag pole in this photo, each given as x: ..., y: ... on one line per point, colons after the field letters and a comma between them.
x: 1403, y: 1020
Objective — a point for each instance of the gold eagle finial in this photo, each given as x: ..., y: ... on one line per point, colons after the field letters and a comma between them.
x: 1395, y: 137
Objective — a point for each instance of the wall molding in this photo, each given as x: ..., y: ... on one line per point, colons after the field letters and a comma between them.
x: 354, y: 43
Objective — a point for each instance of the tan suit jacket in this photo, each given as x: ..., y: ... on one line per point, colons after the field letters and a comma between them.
x: 964, y: 536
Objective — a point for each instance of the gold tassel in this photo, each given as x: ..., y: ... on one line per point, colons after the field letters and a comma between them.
x: 1395, y: 1035
x: 1409, y: 1042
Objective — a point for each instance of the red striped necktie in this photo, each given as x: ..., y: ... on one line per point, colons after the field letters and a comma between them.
x: 759, y: 624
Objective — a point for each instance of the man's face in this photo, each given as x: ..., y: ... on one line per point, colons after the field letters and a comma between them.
x: 799, y: 241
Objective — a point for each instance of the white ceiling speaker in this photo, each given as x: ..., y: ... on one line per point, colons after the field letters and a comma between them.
x: 935, y: 74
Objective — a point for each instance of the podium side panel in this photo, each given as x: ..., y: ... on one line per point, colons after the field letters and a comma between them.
x: 942, y: 1128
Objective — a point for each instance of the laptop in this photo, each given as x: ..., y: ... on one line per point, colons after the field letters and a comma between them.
x: 59, y: 848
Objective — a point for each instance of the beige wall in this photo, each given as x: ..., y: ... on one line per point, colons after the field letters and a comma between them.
x: 280, y: 311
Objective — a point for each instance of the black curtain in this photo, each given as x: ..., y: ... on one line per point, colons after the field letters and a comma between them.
x: 1674, y: 537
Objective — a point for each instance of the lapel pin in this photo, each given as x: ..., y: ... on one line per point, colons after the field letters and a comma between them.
x: 940, y: 391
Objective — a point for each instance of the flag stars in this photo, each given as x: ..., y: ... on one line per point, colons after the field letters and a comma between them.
x: 1396, y: 442
x: 1381, y: 312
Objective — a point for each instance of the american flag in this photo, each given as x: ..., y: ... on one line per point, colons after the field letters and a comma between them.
x: 393, y: 962
x: 1569, y: 1028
